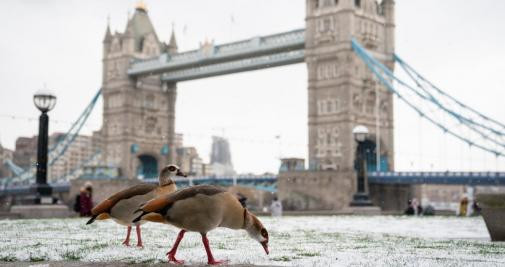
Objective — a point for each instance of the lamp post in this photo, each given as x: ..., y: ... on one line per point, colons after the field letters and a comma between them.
x: 45, y: 101
x: 361, y: 198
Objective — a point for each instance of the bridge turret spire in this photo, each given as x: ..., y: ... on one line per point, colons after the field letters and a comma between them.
x: 388, y: 7
x: 140, y: 34
x: 172, y: 44
x: 108, y: 34
x: 107, y: 39
x: 141, y: 6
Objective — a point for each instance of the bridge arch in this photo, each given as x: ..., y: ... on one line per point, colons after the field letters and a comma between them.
x: 147, y: 166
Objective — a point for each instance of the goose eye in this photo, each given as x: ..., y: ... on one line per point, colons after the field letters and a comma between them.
x: 264, y: 233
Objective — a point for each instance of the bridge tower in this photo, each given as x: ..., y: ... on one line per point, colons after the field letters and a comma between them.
x: 342, y: 92
x: 138, y: 113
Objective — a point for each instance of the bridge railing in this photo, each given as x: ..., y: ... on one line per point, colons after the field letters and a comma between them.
x: 455, y: 178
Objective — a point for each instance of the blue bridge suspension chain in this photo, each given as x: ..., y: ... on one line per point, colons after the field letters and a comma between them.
x: 407, y: 66
x: 469, y: 122
x: 375, y: 66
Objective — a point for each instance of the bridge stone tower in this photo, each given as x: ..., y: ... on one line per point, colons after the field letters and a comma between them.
x: 138, y: 113
x: 342, y: 91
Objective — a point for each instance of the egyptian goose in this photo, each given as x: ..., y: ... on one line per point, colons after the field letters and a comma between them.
x: 200, y: 209
x: 121, y: 207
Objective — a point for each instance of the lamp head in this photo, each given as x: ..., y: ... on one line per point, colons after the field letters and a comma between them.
x: 360, y: 133
x: 44, y: 100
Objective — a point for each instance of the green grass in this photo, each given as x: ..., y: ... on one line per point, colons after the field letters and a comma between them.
x: 35, y: 258
x: 98, y: 246
x: 8, y: 258
x: 309, y: 254
x: 71, y: 255
x: 221, y: 246
x: 282, y: 258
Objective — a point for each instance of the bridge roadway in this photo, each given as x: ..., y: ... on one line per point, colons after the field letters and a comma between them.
x: 211, y: 60
x: 269, y: 183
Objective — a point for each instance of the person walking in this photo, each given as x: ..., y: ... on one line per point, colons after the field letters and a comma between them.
x: 463, y: 206
x: 86, y: 200
x: 276, y: 207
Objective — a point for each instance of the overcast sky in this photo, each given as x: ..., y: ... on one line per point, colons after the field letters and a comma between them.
x: 459, y: 45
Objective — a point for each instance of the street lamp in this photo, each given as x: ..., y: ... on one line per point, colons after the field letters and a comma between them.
x: 361, y: 198
x: 44, y: 100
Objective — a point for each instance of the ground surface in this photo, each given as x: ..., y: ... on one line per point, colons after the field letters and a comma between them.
x: 299, y: 241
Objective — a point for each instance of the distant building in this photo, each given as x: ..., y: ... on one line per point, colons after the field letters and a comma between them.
x: 81, y: 150
x: 179, y: 140
x: 25, y: 152
x: 188, y: 160
x: 197, y: 166
x: 207, y: 170
x: 220, y: 157
x: 5, y: 154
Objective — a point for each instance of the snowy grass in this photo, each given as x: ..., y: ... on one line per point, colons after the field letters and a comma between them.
x: 299, y: 241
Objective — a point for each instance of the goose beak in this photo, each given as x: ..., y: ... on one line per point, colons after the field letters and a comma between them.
x: 265, y: 246
x: 179, y: 173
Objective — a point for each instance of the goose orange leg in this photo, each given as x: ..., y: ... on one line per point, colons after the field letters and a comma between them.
x: 171, y: 253
x: 139, y: 236
x: 126, y: 242
x: 210, y: 258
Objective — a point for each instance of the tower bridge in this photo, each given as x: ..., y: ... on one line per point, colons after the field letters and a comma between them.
x: 348, y: 48
x: 141, y: 75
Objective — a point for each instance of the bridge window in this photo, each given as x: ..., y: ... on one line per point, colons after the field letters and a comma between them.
x: 357, y: 3
x: 141, y: 44
x: 150, y: 124
x: 149, y: 101
x: 322, y: 107
x: 379, y: 9
x: 329, y: 107
x: 325, y: 3
x: 370, y: 104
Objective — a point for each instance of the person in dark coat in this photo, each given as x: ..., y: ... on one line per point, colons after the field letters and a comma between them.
x: 86, y: 201
x: 410, y: 209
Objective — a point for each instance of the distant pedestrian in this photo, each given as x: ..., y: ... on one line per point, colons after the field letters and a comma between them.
x: 475, y: 208
x: 429, y: 210
x: 417, y: 207
x: 413, y: 207
x: 463, y: 206
x: 86, y: 200
x: 77, y: 203
x: 276, y: 207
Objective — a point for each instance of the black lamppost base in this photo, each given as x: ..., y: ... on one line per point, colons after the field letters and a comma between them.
x: 43, y: 194
x: 361, y: 200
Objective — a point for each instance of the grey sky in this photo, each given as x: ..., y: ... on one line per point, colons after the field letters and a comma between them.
x: 456, y: 44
